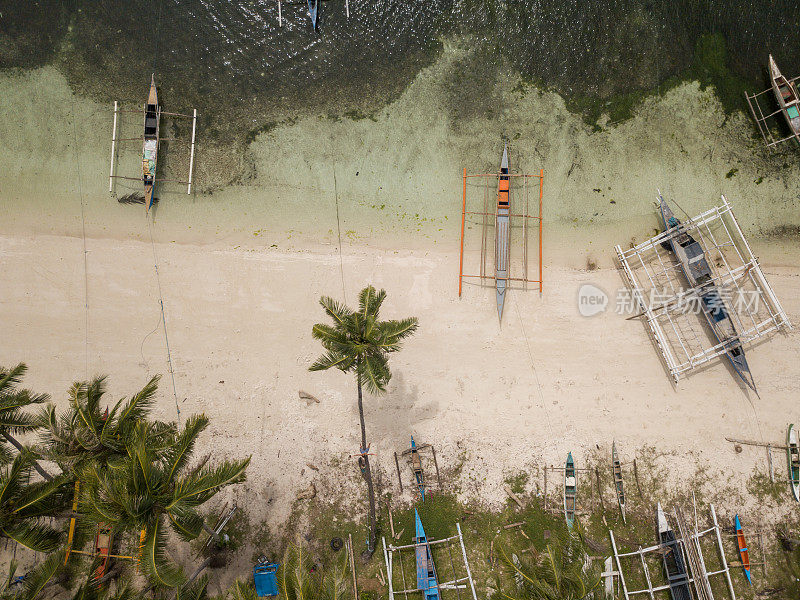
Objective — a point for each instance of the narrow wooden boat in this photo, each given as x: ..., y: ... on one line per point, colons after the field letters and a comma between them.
x: 793, y: 455
x: 672, y: 556
x: 698, y: 274
x: 152, y: 123
x: 102, y: 550
x: 570, y: 491
x: 416, y: 467
x: 743, y: 553
x: 618, y: 485
x: 503, y: 232
x: 787, y: 97
x: 313, y: 11
x: 426, y: 571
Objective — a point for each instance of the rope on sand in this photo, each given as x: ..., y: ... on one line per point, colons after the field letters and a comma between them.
x: 163, y: 319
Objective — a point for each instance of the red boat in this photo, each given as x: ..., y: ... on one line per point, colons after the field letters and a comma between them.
x: 743, y: 549
x: 102, y: 549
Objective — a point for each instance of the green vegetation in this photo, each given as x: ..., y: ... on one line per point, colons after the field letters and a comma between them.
x: 359, y: 342
x: 118, y: 470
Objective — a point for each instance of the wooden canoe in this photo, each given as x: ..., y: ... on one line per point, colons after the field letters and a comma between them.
x: 743, y: 552
x: 793, y: 457
x: 786, y: 95
x: 616, y: 468
x: 426, y: 571
x: 672, y: 557
x: 152, y: 124
x: 503, y: 233
x: 102, y: 550
x: 570, y: 491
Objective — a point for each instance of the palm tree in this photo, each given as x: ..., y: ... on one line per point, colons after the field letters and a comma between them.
x: 558, y: 574
x: 12, y: 419
x: 23, y: 504
x: 154, y: 487
x: 359, y: 342
x: 89, y: 432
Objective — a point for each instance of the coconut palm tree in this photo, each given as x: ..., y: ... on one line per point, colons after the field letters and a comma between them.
x: 89, y: 432
x: 359, y: 342
x: 23, y: 504
x: 154, y: 488
x: 559, y: 573
x: 12, y: 419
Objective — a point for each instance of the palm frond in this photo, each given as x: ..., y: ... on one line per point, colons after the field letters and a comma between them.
x: 36, y: 579
x: 42, y: 498
x: 155, y: 563
x: 329, y: 360
x: 242, y: 590
x: 16, y: 421
x: 369, y: 301
x: 138, y: 407
x: 394, y: 331
x: 36, y: 536
x: 373, y: 371
x: 188, y: 525
x: 196, y: 590
x: 196, y: 489
x: 179, y: 454
x: 335, y: 310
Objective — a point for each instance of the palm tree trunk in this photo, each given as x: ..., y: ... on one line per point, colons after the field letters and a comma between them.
x: 373, y: 525
x: 10, y: 439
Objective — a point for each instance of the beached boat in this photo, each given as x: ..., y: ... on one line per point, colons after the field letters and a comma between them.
x: 313, y: 11
x: 503, y: 232
x: 570, y: 490
x: 743, y: 553
x: 786, y: 94
x: 152, y: 123
x: 697, y: 271
x: 416, y: 467
x: 618, y: 485
x: 672, y: 555
x: 793, y: 456
x: 102, y: 550
x: 426, y: 571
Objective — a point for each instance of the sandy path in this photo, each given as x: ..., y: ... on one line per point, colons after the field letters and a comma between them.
x: 239, y: 324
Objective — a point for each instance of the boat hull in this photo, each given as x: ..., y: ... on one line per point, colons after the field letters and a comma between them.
x: 426, y: 571
x: 503, y: 233
x: 793, y: 456
x: 697, y: 272
x: 672, y: 559
x: 570, y: 491
x: 618, y: 484
x: 787, y: 97
x: 152, y: 125
x: 744, y: 554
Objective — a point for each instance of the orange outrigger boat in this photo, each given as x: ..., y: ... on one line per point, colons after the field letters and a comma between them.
x: 743, y: 552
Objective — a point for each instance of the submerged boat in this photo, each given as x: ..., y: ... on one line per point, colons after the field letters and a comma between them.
x: 152, y: 120
x: 793, y: 456
x: 697, y: 271
x: 672, y: 555
x: 743, y: 553
x: 503, y: 231
x: 426, y: 571
x: 570, y: 491
x: 618, y: 485
x: 313, y: 11
x: 786, y: 95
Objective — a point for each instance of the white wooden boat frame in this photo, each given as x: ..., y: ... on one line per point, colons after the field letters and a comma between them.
x: 695, y: 578
x: 391, y: 552
x: 114, y: 139
x: 646, y: 265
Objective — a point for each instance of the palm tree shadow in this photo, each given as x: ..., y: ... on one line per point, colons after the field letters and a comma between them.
x: 394, y: 417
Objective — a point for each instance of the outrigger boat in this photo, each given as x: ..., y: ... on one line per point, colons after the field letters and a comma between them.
x: 672, y: 555
x: 618, y: 485
x: 426, y: 571
x: 786, y: 95
x: 102, y: 550
x: 152, y: 124
x: 570, y: 491
x: 697, y: 271
x: 503, y: 232
x: 743, y: 553
x: 416, y: 467
x: 793, y: 456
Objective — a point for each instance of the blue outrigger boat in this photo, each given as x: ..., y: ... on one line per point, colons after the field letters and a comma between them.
x: 697, y: 271
x: 426, y: 572
x: 503, y: 234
